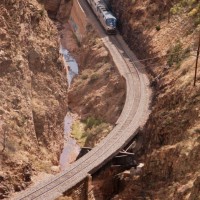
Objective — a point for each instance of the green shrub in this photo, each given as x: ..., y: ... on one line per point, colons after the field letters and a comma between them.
x: 197, y: 130
x: 84, y: 76
x: 94, y: 77
x: 78, y: 132
x: 92, y: 122
x: 158, y: 27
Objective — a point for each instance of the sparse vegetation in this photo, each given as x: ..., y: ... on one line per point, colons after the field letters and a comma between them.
x: 181, y: 5
x: 93, y: 78
x: 92, y: 122
x: 97, y: 133
x: 99, y: 65
x: 177, y: 54
x: 78, y: 132
x: 191, y: 7
x: 90, y: 131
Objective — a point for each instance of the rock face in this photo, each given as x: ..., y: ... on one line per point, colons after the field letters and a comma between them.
x: 59, y: 9
x: 52, y: 5
x: 32, y: 92
x: 171, y: 137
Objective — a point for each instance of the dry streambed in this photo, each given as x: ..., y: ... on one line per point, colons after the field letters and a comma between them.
x: 96, y: 92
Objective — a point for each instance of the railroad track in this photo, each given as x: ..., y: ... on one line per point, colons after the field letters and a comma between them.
x: 134, y: 116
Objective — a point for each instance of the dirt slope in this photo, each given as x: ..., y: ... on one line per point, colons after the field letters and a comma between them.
x: 99, y: 90
x: 171, y: 138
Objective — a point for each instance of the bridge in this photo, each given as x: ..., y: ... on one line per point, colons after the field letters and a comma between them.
x: 133, y: 117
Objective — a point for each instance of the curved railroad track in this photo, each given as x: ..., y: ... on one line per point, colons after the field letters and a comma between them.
x: 133, y: 116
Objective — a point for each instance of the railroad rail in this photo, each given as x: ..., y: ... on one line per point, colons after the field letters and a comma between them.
x: 132, y: 118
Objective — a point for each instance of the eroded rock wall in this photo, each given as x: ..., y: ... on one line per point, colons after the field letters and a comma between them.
x: 58, y: 9
x: 32, y: 93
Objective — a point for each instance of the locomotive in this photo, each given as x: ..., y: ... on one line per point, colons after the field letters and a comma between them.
x: 108, y: 21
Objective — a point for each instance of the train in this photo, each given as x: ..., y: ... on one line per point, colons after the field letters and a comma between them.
x: 107, y: 19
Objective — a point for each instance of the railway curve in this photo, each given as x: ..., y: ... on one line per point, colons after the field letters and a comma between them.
x: 133, y: 117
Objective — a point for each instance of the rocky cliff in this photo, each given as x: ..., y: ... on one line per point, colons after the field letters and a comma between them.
x: 166, y: 35
x: 32, y: 93
x: 58, y: 9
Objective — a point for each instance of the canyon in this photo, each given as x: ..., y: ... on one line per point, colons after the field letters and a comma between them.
x: 35, y: 97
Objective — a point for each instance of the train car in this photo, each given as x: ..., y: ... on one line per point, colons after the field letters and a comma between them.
x: 108, y: 21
